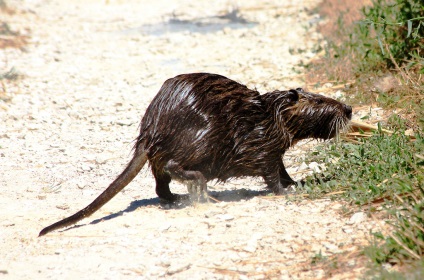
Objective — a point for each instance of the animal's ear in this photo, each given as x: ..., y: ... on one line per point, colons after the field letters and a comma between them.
x: 293, y: 95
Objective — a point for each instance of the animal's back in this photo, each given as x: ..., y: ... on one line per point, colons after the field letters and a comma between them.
x: 195, y: 119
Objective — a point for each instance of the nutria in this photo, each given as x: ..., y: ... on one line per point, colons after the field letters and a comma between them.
x: 205, y: 126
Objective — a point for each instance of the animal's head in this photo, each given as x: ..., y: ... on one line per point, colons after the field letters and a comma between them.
x: 308, y: 115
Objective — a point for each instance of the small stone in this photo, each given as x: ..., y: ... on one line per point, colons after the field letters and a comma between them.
x: 211, y: 214
x: 357, y: 218
x: 165, y: 227
x: 331, y: 248
x: 252, y: 244
x: 303, y: 166
x: 81, y: 185
x: 164, y: 262
x: 337, y: 206
x: 58, y: 252
x: 347, y: 229
x: 287, y: 237
x: 319, y: 273
x: 33, y: 126
x: 234, y: 257
x: 339, y: 94
x: 225, y: 217
x: 7, y: 224
x: 316, y: 247
x: 125, y: 122
x: 351, y: 263
x: 284, y: 249
x: 86, y: 167
x: 315, y: 167
x: 217, y: 263
x: 62, y: 206
x: 177, y: 268
x: 90, y: 157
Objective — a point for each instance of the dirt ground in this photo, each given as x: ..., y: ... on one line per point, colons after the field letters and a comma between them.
x: 89, y: 71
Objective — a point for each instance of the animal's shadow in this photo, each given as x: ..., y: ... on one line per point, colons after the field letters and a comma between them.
x: 216, y: 196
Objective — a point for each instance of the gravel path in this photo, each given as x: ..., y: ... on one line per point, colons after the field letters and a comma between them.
x: 67, y: 129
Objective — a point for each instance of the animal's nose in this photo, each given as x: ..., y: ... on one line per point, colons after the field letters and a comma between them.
x: 348, y: 111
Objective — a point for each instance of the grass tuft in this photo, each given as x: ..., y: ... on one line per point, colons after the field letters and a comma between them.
x: 379, y: 45
x: 382, y: 170
x: 376, y: 47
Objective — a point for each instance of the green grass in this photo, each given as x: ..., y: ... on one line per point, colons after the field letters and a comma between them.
x: 382, y: 168
x: 380, y: 165
x: 386, y: 39
x: 390, y: 34
x: 393, y: 31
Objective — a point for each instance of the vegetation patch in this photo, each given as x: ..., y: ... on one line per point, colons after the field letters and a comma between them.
x: 378, y: 48
x: 382, y: 171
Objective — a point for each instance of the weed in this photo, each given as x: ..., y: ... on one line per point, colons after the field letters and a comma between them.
x: 397, y: 23
x: 10, y: 75
x: 386, y: 168
x: 379, y: 166
x: 317, y: 258
x: 380, y: 47
x: 386, y: 36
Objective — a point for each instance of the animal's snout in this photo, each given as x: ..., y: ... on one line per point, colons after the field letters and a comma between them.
x: 348, y: 111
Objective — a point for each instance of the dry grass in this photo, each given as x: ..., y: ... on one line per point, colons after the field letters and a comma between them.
x: 337, y: 14
x: 9, y: 38
x: 360, y: 129
x: 400, y: 88
x: 332, y: 9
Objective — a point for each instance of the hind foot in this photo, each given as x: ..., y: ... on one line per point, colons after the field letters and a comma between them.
x: 198, y: 191
x: 195, y: 181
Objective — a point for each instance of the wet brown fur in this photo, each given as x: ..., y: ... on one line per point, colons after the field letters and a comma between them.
x: 203, y: 126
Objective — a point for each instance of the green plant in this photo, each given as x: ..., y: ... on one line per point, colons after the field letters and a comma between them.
x: 388, y: 38
x: 379, y: 166
x: 385, y: 168
x: 11, y: 75
x: 317, y: 258
x: 391, y: 33
x: 399, y: 24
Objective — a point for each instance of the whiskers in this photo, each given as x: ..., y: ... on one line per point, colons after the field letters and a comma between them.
x: 338, y: 125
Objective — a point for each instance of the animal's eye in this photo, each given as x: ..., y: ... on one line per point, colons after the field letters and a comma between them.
x: 318, y: 101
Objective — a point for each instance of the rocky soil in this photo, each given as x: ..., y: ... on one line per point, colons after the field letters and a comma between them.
x: 67, y: 128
